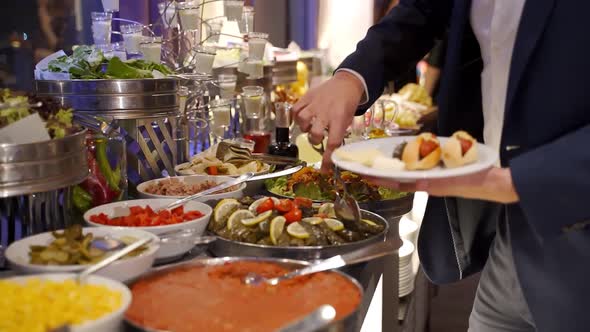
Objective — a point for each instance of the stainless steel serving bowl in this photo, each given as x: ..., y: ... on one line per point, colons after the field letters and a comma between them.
x: 350, y: 323
x: 224, y: 247
x: 43, y: 166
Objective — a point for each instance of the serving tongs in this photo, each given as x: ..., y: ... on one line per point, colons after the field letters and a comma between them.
x: 232, y: 153
x: 104, y: 125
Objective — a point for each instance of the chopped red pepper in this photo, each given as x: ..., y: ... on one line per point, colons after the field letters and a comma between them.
x: 144, y: 217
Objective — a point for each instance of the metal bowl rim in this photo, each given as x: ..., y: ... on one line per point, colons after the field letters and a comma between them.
x: 81, y: 132
x: 214, y: 261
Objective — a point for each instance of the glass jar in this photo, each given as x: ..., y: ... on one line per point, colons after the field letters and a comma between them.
x: 107, y: 181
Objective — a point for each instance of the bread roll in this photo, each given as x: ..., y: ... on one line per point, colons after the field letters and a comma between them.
x: 411, y: 155
x: 452, y: 151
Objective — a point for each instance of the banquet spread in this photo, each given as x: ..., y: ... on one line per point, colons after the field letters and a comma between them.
x: 43, y: 305
x: 228, y: 304
x: 146, y: 217
x: 72, y: 247
x: 422, y: 153
x: 286, y: 222
x: 311, y: 183
x: 176, y: 187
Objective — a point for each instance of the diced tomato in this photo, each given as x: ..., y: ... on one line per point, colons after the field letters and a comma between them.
x: 192, y: 215
x: 284, y: 206
x: 303, y: 202
x: 267, y: 205
x: 212, y: 170
x: 144, y: 217
x: 135, y: 210
x: 179, y: 211
x: 293, y: 216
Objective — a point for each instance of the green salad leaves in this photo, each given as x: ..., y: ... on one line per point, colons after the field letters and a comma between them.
x: 88, y: 62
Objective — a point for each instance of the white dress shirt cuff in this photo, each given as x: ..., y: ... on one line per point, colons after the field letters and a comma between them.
x: 360, y: 78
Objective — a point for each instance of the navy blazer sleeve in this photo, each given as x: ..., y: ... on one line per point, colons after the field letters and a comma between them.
x: 563, y: 164
x: 404, y: 36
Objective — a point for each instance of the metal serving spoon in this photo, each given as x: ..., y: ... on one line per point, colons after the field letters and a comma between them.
x: 112, y: 258
x: 316, y: 320
x: 357, y: 256
x: 345, y: 206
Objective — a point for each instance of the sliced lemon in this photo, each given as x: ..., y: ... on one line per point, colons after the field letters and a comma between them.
x: 277, y: 226
x: 257, y: 203
x: 297, y: 231
x: 335, y: 225
x: 313, y: 220
x: 225, y: 208
x: 255, y: 220
x: 238, y: 216
x: 372, y: 223
x: 327, y: 209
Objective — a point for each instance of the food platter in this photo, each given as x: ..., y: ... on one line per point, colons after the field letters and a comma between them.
x: 226, y: 248
x: 348, y: 323
x: 386, y: 146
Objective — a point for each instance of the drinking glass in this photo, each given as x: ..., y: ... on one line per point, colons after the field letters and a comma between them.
x: 390, y: 110
x: 253, y: 97
x: 227, y: 85
x: 246, y: 24
x: 215, y: 27
x: 254, y: 69
x: 190, y: 15
x: 110, y: 6
x: 101, y: 27
x: 233, y: 9
x: 107, y: 50
x: 358, y: 126
x: 168, y: 13
x: 257, y: 45
x: 132, y: 37
x: 151, y: 48
x: 220, y: 116
x: 204, y: 57
x: 197, y: 136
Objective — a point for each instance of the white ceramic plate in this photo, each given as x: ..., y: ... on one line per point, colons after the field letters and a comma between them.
x: 168, y: 251
x: 487, y: 158
x: 195, y: 179
x: 123, y: 270
x: 109, y: 322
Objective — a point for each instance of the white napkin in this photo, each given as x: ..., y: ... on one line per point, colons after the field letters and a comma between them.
x: 41, y: 72
x: 28, y: 130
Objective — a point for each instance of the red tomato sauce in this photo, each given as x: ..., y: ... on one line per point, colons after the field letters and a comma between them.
x: 215, y: 299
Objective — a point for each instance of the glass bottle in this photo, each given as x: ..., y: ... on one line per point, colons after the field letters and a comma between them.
x: 283, y: 146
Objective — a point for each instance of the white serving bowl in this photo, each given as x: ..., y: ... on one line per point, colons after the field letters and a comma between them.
x: 110, y: 322
x: 122, y: 270
x: 168, y: 251
x: 196, y: 179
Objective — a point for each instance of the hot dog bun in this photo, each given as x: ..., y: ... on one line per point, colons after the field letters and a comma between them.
x: 452, y: 153
x: 411, y: 154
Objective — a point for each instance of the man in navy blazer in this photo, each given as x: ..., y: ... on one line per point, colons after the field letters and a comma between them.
x: 526, y: 222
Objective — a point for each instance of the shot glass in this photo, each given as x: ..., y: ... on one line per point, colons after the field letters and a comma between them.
x: 167, y: 10
x: 132, y: 37
x: 214, y: 31
x: 246, y: 24
x: 190, y: 15
x: 151, y: 48
x: 220, y: 110
x: 253, y: 97
x: 233, y: 9
x: 227, y: 85
x: 110, y: 6
x: 101, y: 27
x: 256, y: 45
x: 204, y: 57
x: 254, y: 69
